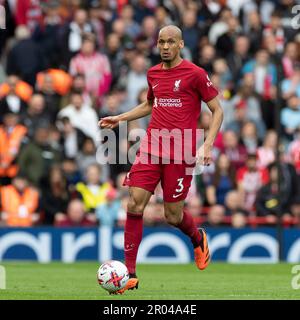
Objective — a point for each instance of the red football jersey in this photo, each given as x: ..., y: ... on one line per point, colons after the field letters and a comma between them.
x: 176, y: 95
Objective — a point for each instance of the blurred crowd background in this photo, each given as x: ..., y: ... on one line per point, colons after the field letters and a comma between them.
x: 66, y: 63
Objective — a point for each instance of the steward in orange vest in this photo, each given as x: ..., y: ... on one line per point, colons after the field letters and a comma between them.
x: 11, y: 137
x: 19, y: 202
x: 14, y: 85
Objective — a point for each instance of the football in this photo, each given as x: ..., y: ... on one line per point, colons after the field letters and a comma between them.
x: 112, y: 275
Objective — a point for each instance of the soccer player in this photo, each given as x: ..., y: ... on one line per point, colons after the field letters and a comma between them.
x: 176, y: 88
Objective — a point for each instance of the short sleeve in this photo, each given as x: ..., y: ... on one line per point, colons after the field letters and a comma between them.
x: 150, y: 95
x: 204, y: 86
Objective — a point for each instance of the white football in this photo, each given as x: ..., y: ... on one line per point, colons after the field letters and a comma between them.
x: 112, y: 275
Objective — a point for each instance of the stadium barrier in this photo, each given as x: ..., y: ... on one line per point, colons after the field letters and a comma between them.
x: 159, y: 245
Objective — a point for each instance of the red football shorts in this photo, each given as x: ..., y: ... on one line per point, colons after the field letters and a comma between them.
x: 174, y: 179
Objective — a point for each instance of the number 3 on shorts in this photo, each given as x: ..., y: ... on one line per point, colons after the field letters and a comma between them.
x: 180, y: 185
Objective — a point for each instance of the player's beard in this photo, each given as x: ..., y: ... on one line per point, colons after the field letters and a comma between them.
x: 166, y: 59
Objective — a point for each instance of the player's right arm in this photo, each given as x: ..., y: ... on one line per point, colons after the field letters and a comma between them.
x: 140, y: 111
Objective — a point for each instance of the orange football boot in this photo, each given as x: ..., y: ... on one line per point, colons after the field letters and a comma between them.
x: 201, y: 253
x: 132, y: 283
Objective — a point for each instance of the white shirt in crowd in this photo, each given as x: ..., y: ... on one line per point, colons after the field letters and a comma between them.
x: 84, y: 118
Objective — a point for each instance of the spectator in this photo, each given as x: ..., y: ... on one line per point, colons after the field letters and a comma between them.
x: 54, y: 80
x: 36, y: 115
x: 265, y: 77
x: 46, y: 33
x: 12, y: 100
x: 225, y: 43
x: 238, y: 220
x: 233, y: 203
x: 240, y: 118
x: 111, y: 107
x: 107, y: 213
x: 72, y: 139
x: 294, y: 152
x: 254, y: 31
x: 236, y: 152
x: 154, y: 214
x: 194, y: 206
x: 267, y: 152
x: 11, y: 136
x: 37, y: 157
x: 206, y: 57
x: 141, y: 11
x: 97, y: 21
x: 162, y: 17
x: 87, y: 156
x: 55, y: 195
x: 249, y: 136
x: 295, y: 208
x: 119, y: 28
x: 275, y: 29
x: 76, y: 216
x: 220, y: 26
x: 291, y: 85
x: 222, y: 181
x: 113, y: 50
x: 71, y: 36
x: 28, y: 13
x: 94, y: 66
x: 72, y: 174
x: 272, y: 201
x: 215, y: 216
x: 82, y: 116
x: 93, y: 191
x: 290, y: 117
x: 245, y: 93
x: 128, y: 55
x: 25, y: 58
x: 264, y: 72
x: 221, y: 69
x: 289, y: 59
x: 269, y: 43
x: 250, y: 179
x: 189, y: 29
x: 238, y: 57
x: 51, y: 97
x: 136, y: 80
x: 14, y: 85
x: 19, y: 203
x: 123, y: 190
x: 9, y: 30
x: 78, y: 85
x: 132, y: 28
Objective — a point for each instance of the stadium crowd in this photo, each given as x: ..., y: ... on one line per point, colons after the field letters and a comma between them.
x: 65, y: 64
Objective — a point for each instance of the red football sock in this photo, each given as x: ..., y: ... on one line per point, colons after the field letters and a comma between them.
x: 132, y: 239
x: 188, y: 227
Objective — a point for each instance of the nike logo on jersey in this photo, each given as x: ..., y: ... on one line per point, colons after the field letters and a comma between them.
x: 154, y: 86
x: 177, y: 195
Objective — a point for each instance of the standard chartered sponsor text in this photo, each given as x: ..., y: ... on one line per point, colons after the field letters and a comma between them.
x: 169, y: 102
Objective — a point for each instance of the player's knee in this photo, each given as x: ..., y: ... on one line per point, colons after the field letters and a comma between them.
x: 135, y: 206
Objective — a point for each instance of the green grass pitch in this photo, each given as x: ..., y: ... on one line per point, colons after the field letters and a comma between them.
x: 163, y: 282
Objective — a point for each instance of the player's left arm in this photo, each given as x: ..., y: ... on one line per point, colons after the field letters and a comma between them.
x: 205, y: 152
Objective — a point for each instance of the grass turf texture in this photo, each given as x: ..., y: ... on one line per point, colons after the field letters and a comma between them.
x: 161, y: 282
